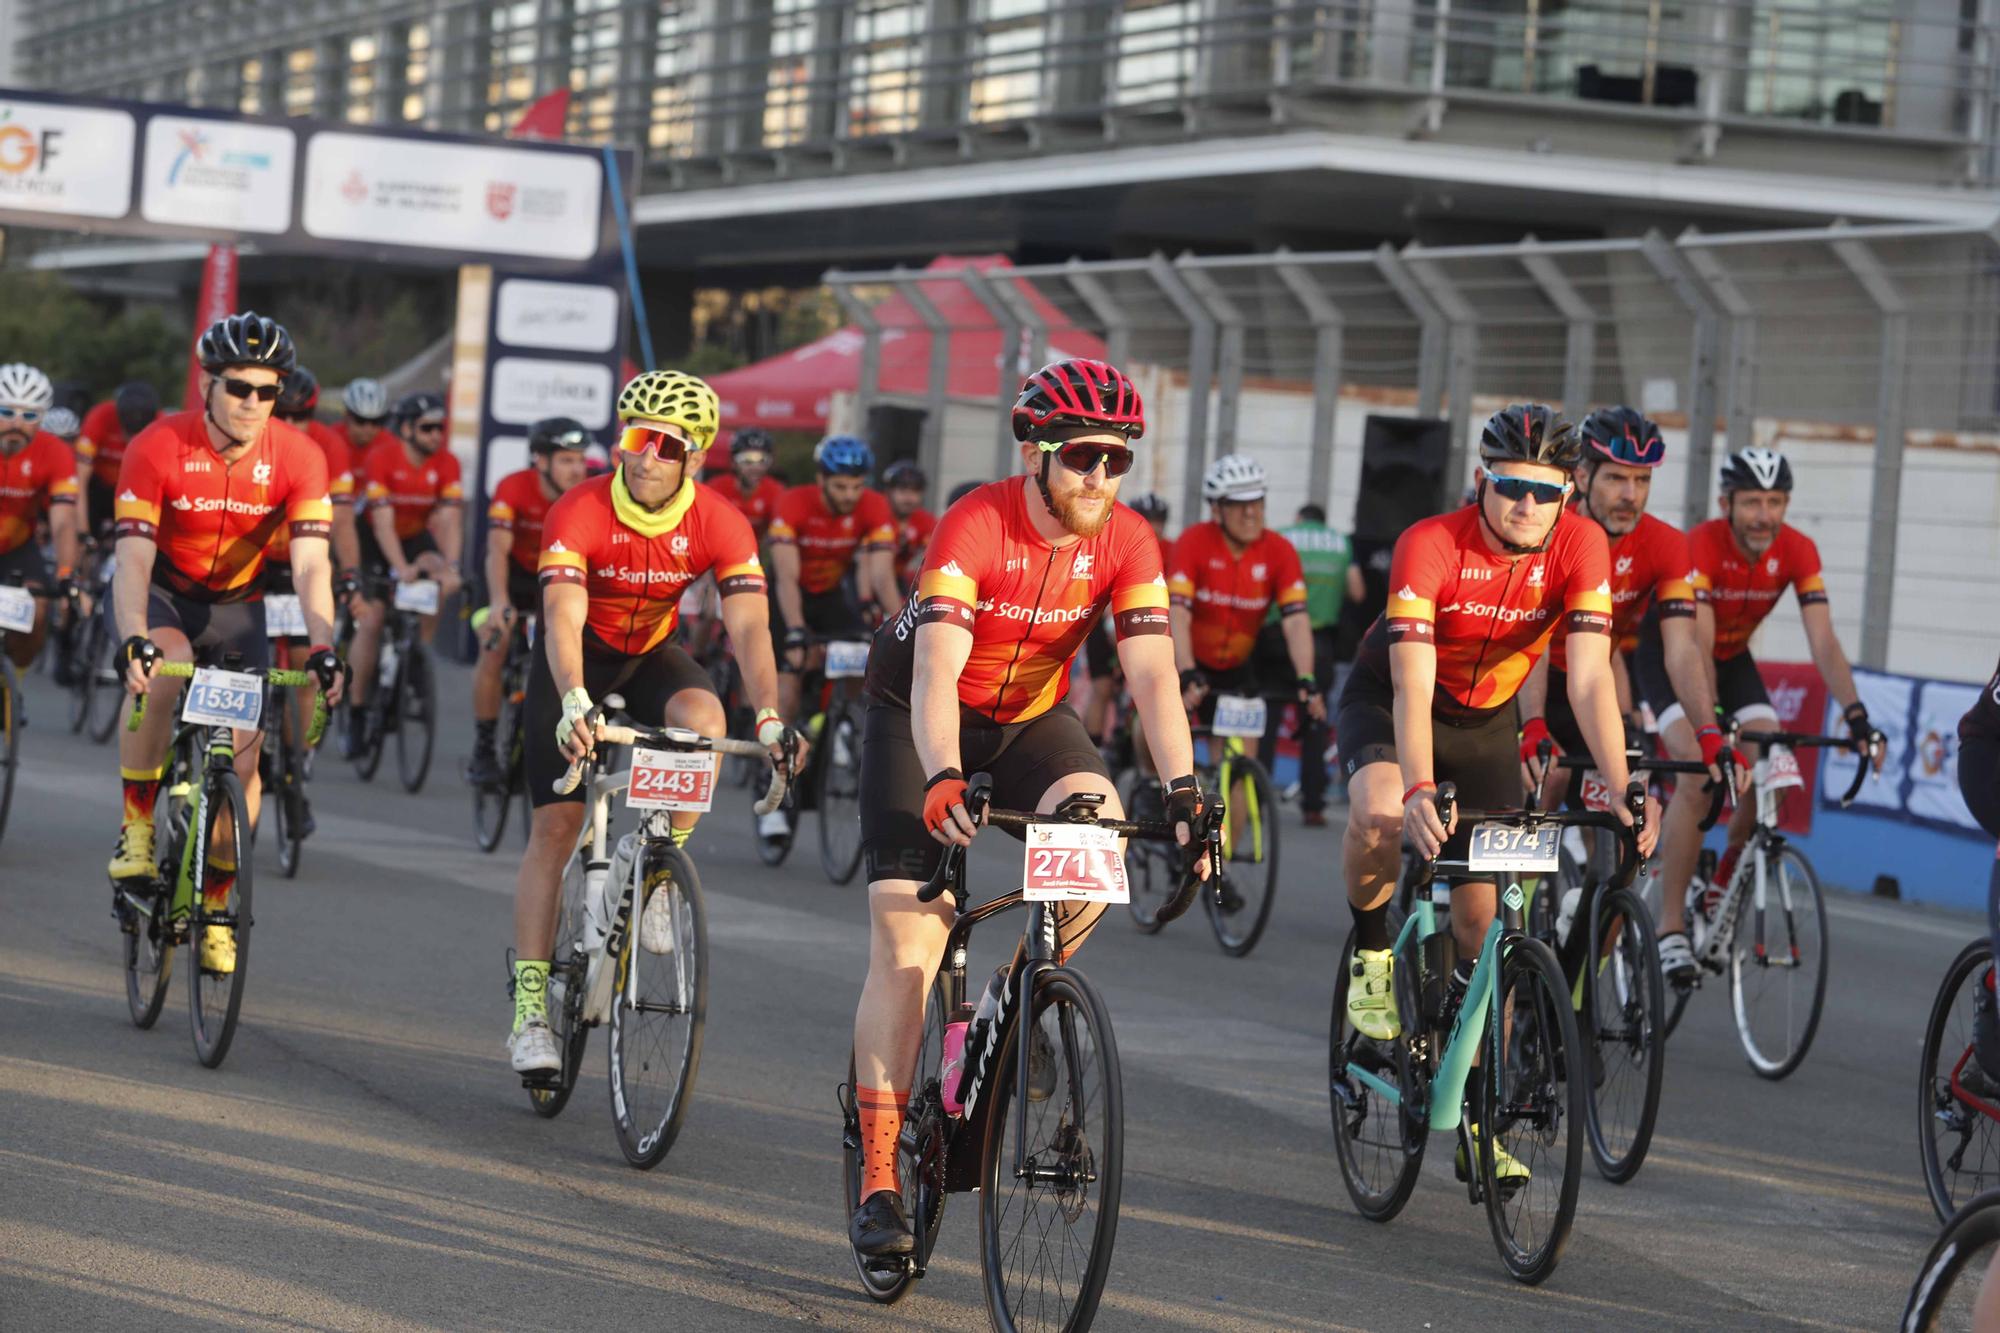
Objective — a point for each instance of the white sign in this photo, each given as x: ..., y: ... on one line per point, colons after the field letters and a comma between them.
x: 526, y: 389
x: 1239, y: 715
x: 505, y: 454
x: 224, y: 699
x: 671, y: 780
x: 66, y: 159
x: 1597, y: 793
x: 477, y: 197
x: 1888, y: 700
x: 284, y: 616
x: 1073, y: 863
x: 17, y: 609
x: 1509, y: 847
x: 214, y: 173
x: 420, y: 596
x: 562, y: 316
x: 1933, y: 769
x: 846, y: 659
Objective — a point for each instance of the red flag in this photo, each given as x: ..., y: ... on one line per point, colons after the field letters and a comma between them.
x: 545, y: 118
x: 216, y: 299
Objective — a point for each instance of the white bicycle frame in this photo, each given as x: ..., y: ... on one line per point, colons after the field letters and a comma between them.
x: 1753, y: 868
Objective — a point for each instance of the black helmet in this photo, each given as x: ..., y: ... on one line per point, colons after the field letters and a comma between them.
x: 300, y: 394
x: 1530, y: 433
x: 1150, y: 505
x: 552, y: 435
x: 416, y: 406
x: 960, y: 491
x: 1756, y: 470
x: 752, y: 440
x: 1623, y: 435
x: 136, y: 403
x: 904, y: 475
x: 248, y: 339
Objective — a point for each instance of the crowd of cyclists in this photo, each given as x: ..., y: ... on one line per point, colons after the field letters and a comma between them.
x: 1550, y: 615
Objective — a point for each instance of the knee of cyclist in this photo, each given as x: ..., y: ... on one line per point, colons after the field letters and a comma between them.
x: 1374, y: 832
x: 702, y: 713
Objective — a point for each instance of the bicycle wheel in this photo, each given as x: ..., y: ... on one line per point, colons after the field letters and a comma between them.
x: 146, y: 924
x: 920, y: 1159
x: 416, y: 729
x: 1531, y: 1104
x: 1624, y: 1032
x: 104, y: 682
x: 773, y: 851
x: 492, y: 803
x: 376, y: 714
x: 216, y: 998
x: 567, y: 970
x: 78, y: 684
x: 288, y: 797
x: 658, y: 1008
x: 1959, y: 1142
x: 1239, y: 904
x: 1777, y: 975
x: 10, y: 736
x: 1045, y: 1235
x: 840, y: 794
x: 1958, y: 1271
x: 1380, y: 1146
x: 1150, y: 873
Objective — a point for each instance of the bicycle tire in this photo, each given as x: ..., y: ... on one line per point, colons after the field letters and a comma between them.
x: 1354, y: 1106
x: 773, y: 851
x: 79, y: 685
x: 491, y: 805
x: 1150, y: 877
x: 1941, y: 1114
x: 289, y: 790
x: 920, y: 1172
x: 416, y: 717
x: 376, y: 717
x: 215, y: 1000
x: 1556, y: 1097
x: 1778, y: 1064
x: 149, y: 939
x: 1628, y: 990
x: 1237, y: 932
x: 839, y: 794
x: 105, y: 683
x: 10, y: 736
x: 647, y: 1133
x: 1087, y: 1140
x: 1966, y: 1244
x: 567, y: 968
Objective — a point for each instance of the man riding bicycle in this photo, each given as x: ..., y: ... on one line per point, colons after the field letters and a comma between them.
x: 1477, y: 595
x: 970, y: 678
x: 37, y: 476
x: 296, y: 407
x: 1100, y: 650
x: 750, y: 486
x: 514, y: 521
x: 365, y: 407
x: 903, y: 485
x: 617, y: 552
x: 107, y: 429
x: 200, y: 495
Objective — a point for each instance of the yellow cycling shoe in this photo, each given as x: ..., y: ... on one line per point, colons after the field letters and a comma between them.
x: 133, y: 858
x: 218, y: 949
x: 1371, y: 995
x: 1507, y: 1169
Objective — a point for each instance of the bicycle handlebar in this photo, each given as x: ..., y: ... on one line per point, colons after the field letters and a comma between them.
x: 1636, y: 761
x: 1807, y: 740
x: 271, y: 675
x: 674, y: 738
x: 1629, y: 859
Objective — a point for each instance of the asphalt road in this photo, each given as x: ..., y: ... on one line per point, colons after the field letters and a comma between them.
x: 365, y: 1159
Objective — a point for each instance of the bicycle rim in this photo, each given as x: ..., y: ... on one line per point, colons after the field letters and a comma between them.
x: 216, y: 998
x: 79, y: 689
x: 840, y: 796
x: 149, y: 960
x: 1148, y: 872
x: 1532, y: 1106
x: 416, y: 729
x: 1625, y: 1000
x: 370, y: 759
x: 565, y: 1008
x: 1045, y: 1242
x: 1249, y: 882
x: 1946, y: 1293
x: 1777, y: 1000
x: 658, y: 1008
x: 920, y: 1160
x: 1958, y: 1143
x: 1380, y: 1155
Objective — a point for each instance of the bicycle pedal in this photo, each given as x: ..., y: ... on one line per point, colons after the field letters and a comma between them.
x: 542, y: 1080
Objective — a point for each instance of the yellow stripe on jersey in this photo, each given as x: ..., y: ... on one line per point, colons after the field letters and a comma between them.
x: 318, y: 509
x: 1810, y: 584
x: 557, y: 556
x: 1596, y: 599
x: 500, y: 513
x: 132, y: 507
x: 1292, y: 595
x: 63, y: 487
x: 947, y: 581
x: 1410, y: 607
x: 1139, y: 596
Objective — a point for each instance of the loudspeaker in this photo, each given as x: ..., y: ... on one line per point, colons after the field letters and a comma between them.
x: 895, y: 433
x: 1403, y: 463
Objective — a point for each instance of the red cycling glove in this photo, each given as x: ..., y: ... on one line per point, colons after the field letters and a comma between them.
x: 1533, y: 732
x: 945, y: 789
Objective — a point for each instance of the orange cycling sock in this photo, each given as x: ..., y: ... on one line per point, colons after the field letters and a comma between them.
x: 881, y: 1121
x: 221, y: 880
x: 142, y: 789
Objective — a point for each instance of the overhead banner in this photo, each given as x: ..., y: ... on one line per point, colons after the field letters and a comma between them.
x: 58, y: 159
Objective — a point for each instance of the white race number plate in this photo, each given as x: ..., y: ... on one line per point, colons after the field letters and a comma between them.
x: 1779, y: 769
x: 1238, y: 715
x: 284, y: 617
x: 1508, y: 847
x: 1073, y: 863
x: 671, y: 780
x: 217, y: 698
x: 421, y: 597
x: 846, y: 659
x: 1596, y: 791
x: 17, y: 609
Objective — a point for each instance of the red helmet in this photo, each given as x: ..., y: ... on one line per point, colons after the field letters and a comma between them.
x: 1079, y: 393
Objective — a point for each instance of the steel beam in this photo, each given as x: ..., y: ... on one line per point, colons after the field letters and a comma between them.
x: 1701, y: 372
x: 1329, y: 350
x: 1462, y: 321
x: 1739, y: 380
x: 1201, y: 375
x: 1885, y: 504
x: 937, y: 381
x: 1431, y: 348
x: 1004, y: 444
x: 1580, y: 324
x: 1231, y: 324
x: 1105, y: 309
x: 869, y: 387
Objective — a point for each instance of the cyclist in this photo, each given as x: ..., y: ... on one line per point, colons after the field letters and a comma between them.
x: 296, y: 406
x: 1478, y: 593
x: 199, y: 495
x: 412, y: 516
x: 100, y: 449
x: 37, y: 475
x: 365, y: 404
x: 1979, y: 784
x: 970, y: 677
x: 1100, y: 650
x: 514, y: 519
x: 617, y: 551
x: 903, y: 485
x: 1649, y: 563
x: 752, y: 488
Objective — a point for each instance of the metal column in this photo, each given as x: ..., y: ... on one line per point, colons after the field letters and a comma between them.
x: 1117, y: 323
x: 1229, y: 357
x: 1328, y: 351
x: 1201, y: 374
x: 1580, y: 333
x: 1885, y: 506
x: 1463, y: 323
x: 1005, y: 457
x: 1701, y: 373
x: 937, y: 379
x: 1739, y: 380
x: 869, y: 386
x: 1431, y: 348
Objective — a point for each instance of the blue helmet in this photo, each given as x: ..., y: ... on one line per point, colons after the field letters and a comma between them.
x: 845, y: 456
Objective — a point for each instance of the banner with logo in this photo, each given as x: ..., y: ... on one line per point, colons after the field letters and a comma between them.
x: 1889, y: 699
x: 1798, y: 696
x: 1919, y: 779
x: 58, y: 159
x: 1933, y: 769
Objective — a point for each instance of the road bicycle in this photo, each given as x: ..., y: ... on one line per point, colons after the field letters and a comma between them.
x: 1514, y: 1014
x: 1958, y: 1101
x: 99, y: 682
x: 17, y: 616
x: 1032, y: 1113
x: 831, y: 783
x: 624, y: 955
x: 1957, y: 1287
x: 200, y: 797
x: 404, y: 700
x: 491, y: 802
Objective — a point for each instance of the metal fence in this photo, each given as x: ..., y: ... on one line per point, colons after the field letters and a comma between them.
x: 1868, y: 353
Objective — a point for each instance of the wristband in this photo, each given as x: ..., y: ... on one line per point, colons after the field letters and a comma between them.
x: 1421, y: 786
x: 1307, y: 685
x: 770, y: 718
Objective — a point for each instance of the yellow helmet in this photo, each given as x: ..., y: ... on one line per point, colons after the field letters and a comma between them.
x: 676, y: 399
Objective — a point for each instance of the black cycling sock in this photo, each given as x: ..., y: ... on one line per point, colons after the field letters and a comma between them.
x: 1371, y: 927
x: 483, y: 729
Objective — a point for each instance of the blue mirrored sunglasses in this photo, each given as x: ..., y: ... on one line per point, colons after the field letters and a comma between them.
x: 1526, y: 488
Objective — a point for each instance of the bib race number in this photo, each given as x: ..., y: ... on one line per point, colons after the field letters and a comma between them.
x: 1596, y: 791
x: 670, y: 780
x: 1507, y: 847
x: 218, y: 698
x: 1238, y: 715
x: 846, y: 659
x: 421, y: 597
x: 1073, y: 863
x: 284, y: 617
x: 17, y: 610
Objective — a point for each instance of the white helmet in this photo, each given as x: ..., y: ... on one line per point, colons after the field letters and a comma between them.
x: 21, y: 385
x: 1233, y: 477
x: 62, y: 423
x: 366, y: 399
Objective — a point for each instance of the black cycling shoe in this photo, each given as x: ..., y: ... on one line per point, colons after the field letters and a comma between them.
x: 483, y: 769
x: 354, y: 740
x: 880, y: 1227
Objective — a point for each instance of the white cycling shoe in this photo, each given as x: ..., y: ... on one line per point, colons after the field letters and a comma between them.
x: 1676, y: 958
x: 774, y: 827
x: 533, y: 1048
x: 656, y: 923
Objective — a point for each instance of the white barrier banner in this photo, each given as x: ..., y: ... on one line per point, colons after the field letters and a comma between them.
x: 526, y: 389
x: 561, y: 316
x: 1888, y: 700
x: 1934, y: 756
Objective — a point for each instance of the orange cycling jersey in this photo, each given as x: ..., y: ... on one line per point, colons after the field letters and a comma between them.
x: 1028, y: 605
x: 826, y: 540
x: 1649, y: 566
x: 1490, y: 616
x: 759, y: 506
x: 1742, y: 589
x: 213, y: 521
x: 634, y: 581
x: 412, y: 488
x: 520, y: 505
x: 339, y: 478
x: 913, y: 534
x: 41, y: 473
x: 1227, y: 595
x: 102, y: 441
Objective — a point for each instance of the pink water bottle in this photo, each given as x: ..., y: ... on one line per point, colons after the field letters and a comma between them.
x: 954, y: 1065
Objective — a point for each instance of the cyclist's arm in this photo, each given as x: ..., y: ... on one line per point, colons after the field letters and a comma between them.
x: 499, y: 553
x: 747, y: 616
x: 942, y: 651
x: 1357, y: 586
x: 1180, y: 620
x: 346, y: 538
x: 1622, y: 679
x: 1413, y: 677
x: 1690, y: 668
x: 62, y: 530
x: 1593, y: 697
x: 86, y: 459
x: 131, y: 584
x: 1827, y: 654
x: 785, y: 572
x: 447, y: 525
x: 383, y: 519
x: 1154, y: 684
x: 1298, y: 631
x: 1704, y: 637
x: 882, y: 568
x: 1533, y: 698
x: 312, y: 579
x: 564, y: 607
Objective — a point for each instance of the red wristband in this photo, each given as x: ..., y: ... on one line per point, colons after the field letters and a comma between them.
x: 1421, y: 786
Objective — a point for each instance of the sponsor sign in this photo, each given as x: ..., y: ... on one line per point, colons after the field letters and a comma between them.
x: 1889, y: 699
x: 218, y: 173
x: 66, y: 159
x: 562, y: 316
x: 526, y: 389
x: 1933, y: 767
x: 1798, y: 696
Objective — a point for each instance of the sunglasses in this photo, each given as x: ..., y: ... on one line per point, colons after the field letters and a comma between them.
x: 1524, y: 488
x: 1083, y: 459
x: 263, y: 393
x: 22, y: 414
x: 662, y: 444
x: 429, y: 427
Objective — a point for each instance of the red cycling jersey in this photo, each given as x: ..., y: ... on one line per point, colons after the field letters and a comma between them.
x: 826, y: 540
x: 759, y: 506
x: 213, y: 521
x: 1742, y: 590
x: 102, y: 441
x: 1028, y: 605
x: 1649, y: 567
x: 520, y: 505
x: 1227, y: 595
x: 339, y: 478
x: 635, y: 581
x: 913, y: 534
x: 1489, y: 616
x: 413, y: 489
x: 41, y: 473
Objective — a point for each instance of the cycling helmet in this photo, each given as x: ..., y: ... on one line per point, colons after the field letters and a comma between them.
x: 904, y: 475
x: 1075, y: 393
x: 365, y: 400
x: 673, y: 398
x: 844, y: 456
x: 1530, y: 433
x: 1151, y: 506
x: 751, y: 440
x: 21, y: 385
x: 248, y: 339
x: 1233, y: 477
x: 552, y: 435
x: 1623, y: 436
x: 300, y: 394
x: 960, y: 491
x: 136, y: 404
x: 1756, y: 470
x: 62, y: 423
x: 416, y: 406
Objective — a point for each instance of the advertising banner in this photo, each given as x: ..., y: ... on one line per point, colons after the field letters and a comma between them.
x: 69, y: 160
x: 1933, y: 770
x: 216, y: 298
x: 205, y: 173
x: 1919, y: 779
x: 1889, y: 699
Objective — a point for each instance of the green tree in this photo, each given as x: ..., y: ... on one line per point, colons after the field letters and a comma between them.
x: 69, y: 336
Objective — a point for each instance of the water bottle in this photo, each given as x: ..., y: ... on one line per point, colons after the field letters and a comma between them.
x: 956, y: 1036
x: 385, y: 668
x: 620, y: 874
x: 596, y: 911
x: 1567, y: 913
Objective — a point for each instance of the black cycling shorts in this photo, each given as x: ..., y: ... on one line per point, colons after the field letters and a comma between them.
x: 375, y: 563
x: 831, y: 615
x: 214, y: 628
x: 25, y: 564
x: 1979, y: 779
x: 524, y: 590
x: 1253, y: 677
x: 1024, y: 760
x: 103, y: 508
x: 647, y: 683
x: 1480, y: 754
